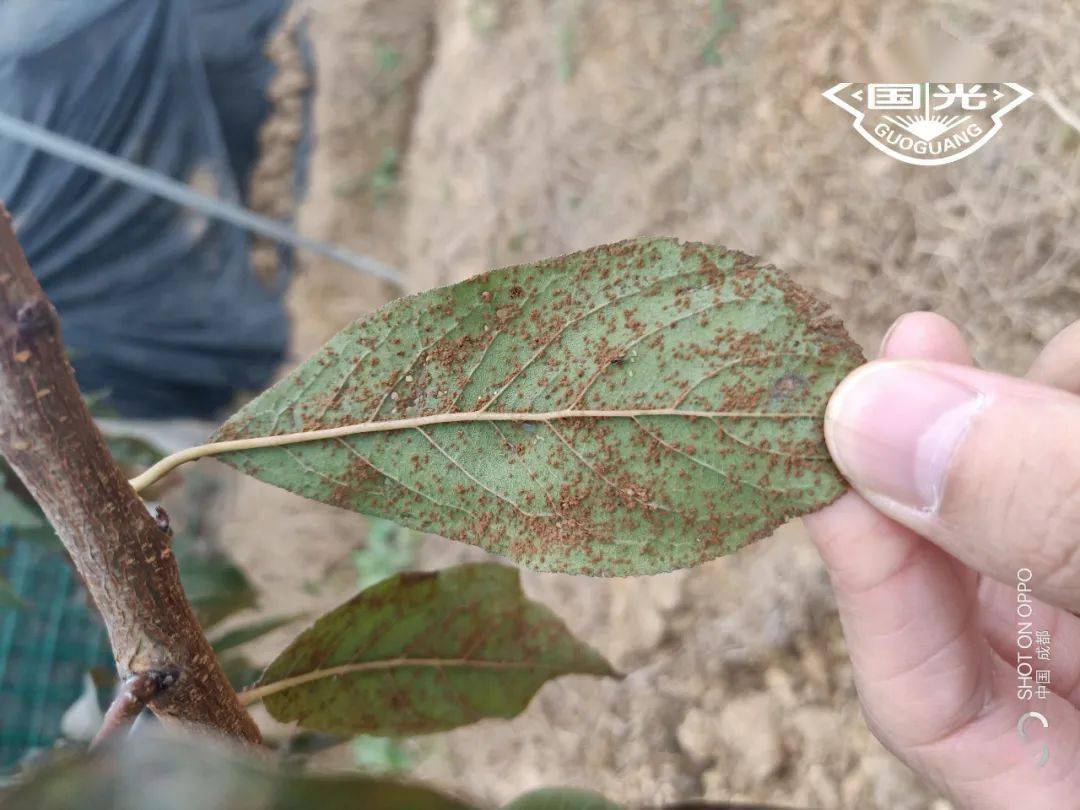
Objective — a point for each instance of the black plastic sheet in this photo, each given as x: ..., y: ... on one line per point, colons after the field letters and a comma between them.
x: 159, y: 305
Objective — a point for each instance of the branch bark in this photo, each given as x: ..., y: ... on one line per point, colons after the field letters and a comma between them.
x: 134, y: 695
x: 50, y: 440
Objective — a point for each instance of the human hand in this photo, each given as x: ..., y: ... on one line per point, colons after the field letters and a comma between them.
x: 962, y: 479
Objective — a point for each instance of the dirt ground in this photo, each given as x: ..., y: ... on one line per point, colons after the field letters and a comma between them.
x: 462, y: 135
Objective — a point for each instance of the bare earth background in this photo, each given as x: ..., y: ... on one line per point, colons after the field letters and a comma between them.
x: 462, y: 135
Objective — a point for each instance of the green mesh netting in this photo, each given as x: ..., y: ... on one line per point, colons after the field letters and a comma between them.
x: 46, y: 646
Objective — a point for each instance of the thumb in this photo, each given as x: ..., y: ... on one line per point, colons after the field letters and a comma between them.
x: 985, y: 466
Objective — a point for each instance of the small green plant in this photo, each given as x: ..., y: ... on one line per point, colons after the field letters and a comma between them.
x: 721, y: 22
x: 483, y: 15
x: 387, y: 57
x: 383, y: 181
x: 567, y: 61
x: 388, y: 548
x: 625, y: 410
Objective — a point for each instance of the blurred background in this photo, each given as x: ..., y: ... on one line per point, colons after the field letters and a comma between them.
x: 446, y: 138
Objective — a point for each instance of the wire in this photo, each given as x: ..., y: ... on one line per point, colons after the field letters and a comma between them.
x: 173, y: 190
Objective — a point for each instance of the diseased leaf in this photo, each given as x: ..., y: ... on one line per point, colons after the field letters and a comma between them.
x: 159, y: 769
x: 423, y: 652
x: 629, y: 409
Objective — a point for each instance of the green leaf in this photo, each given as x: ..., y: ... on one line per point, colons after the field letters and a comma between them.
x: 629, y: 409
x: 562, y: 799
x: 308, y: 743
x: 19, y: 513
x: 163, y: 771
x: 240, y: 671
x: 379, y: 754
x: 423, y: 652
x: 214, y: 585
x: 245, y: 633
x: 133, y: 452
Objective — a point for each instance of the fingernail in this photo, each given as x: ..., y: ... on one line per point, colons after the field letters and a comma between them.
x: 885, y: 340
x: 893, y: 428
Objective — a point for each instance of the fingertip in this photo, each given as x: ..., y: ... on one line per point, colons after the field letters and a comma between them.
x: 1058, y: 364
x: 830, y: 527
x: 893, y: 426
x: 925, y: 336
x: 857, y: 542
x: 824, y: 524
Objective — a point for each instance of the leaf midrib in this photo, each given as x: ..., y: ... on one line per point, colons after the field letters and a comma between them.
x: 173, y: 461
x: 257, y: 693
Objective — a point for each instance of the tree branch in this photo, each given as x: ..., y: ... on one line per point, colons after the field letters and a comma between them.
x: 52, y: 443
